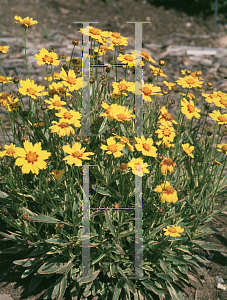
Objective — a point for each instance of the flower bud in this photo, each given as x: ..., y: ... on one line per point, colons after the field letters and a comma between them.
x: 133, y: 70
x: 150, y: 79
x: 25, y: 217
x: 77, y: 138
x: 86, y: 139
x: 162, y: 63
x: 104, y: 83
x: 210, y: 85
x: 63, y: 56
x: 164, y: 92
x: 161, y: 211
x: 24, y: 138
x: 60, y: 226
x: 4, y: 211
x: 44, y: 106
x: 206, y: 106
x: 123, y: 167
x: 75, y: 42
x: 173, y: 101
x: 92, y: 80
x: 188, y: 72
x: 121, y: 49
x: 77, y: 70
x: 51, y: 49
x: 198, y: 73
x: 160, y: 157
x: 16, y: 80
x: 103, y: 76
x: 108, y: 69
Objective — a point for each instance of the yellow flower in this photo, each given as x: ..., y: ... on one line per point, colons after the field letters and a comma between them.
x: 113, y: 148
x: 12, y: 105
x: 166, y: 118
x: 170, y: 85
x: 157, y: 71
x: 146, y: 146
x: 71, y: 117
x: 109, y: 111
x: 168, y: 194
x: 76, y: 154
x: 10, y: 151
x: 189, y: 109
x: 147, y: 57
x: 138, y: 167
x: 71, y: 81
x: 217, y: 116
x: 209, y: 97
x: 58, y: 174
x: 167, y: 165
x: 103, y: 49
x: 146, y: 90
x: 55, y: 103
x: 189, y: 95
x: 121, y: 87
x: 75, y: 61
x: 95, y: 33
x: 4, y: 79
x: 117, y: 40
x: 61, y: 128
x: 46, y: 57
x: 164, y: 144
x: 56, y: 77
x: 223, y: 148
x: 58, y: 89
x: 221, y: 101
x: 128, y: 59
x: 121, y: 113
x: 29, y: 88
x: 4, y: 49
x: 189, y: 82
x: 26, y: 22
x: 173, y: 231
x: 188, y: 150
x: 165, y: 133
x: 31, y: 158
x: 125, y: 141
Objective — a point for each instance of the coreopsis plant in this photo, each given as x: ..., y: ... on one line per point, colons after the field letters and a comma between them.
x: 43, y: 168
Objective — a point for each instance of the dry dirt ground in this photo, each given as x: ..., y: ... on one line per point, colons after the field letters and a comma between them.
x: 168, y: 26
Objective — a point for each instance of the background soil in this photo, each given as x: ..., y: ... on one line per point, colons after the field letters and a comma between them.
x: 169, y: 26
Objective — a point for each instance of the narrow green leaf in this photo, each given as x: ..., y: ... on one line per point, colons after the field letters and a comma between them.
x: 56, y: 242
x: 10, y: 237
x: 109, y: 224
x: 43, y: 219
x: 172, y: 291
x: 121, y: 272
x: 101, y: 190
x: 155, y: 231
x: 98, y: 259
x: 148, y: 268
x: 120, y: 249
x: 3, y: 195
x: 63, y: 286
x: 125, y: 233
x: 149, y: 285
x: 27, y: 262
x: 117, y: 291
x: 210, y: 246
x: 56, y: 289
x: 88, y: 279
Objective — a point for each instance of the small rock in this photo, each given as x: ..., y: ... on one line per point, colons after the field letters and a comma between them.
x: 5, y: 297
x: 219, y: 279
x: 221, y: 286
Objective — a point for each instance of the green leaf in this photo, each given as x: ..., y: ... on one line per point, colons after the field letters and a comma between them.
x: 88, y: 279
x: 125, y: 233
x: 109, y: 224
x: 30, y: 270
x: 3, y: 195
x: 101, y: 190
x: 172, y: 291
x: 75, y: 291
x: 121, y: 251
x: 155, y: 231
x: 10, y: 237
x: 13, y: 250
x: 56, y: 242
x: 27, y: 262
x: 148, y: 268
x: 117, y: 291
x: 121, y: 271
x: 149, y: 285
x: 210, y: 246
x: 43, y: 219
x: 63, y: 286
x: 98, y: 259
x: 56, y: 289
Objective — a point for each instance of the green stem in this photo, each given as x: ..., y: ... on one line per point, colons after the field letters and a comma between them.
x: 26, y: 52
